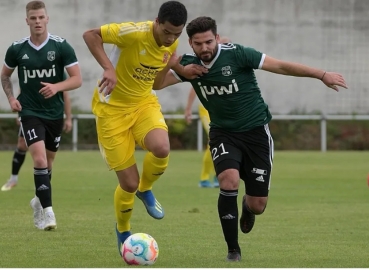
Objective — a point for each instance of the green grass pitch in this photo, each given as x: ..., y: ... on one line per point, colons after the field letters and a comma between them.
x: 317, y: 215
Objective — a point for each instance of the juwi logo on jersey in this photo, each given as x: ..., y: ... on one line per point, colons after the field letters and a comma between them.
x: 211, y: 90
x: 38, y: 73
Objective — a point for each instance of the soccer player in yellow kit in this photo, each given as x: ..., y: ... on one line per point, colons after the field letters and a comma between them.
x: 127, y: 113
x: 207, y: 162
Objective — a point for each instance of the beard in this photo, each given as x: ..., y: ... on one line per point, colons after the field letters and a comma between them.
x: 208, y: 56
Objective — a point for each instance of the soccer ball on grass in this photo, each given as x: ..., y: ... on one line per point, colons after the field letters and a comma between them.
x: 140, y: 249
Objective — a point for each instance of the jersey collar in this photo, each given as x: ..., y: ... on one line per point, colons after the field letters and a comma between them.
x: 37, y: 48
x: 215, y: 58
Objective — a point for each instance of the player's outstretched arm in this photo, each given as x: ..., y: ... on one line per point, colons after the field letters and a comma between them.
x: 7, y: 84
x: 189, y: 72
x: 330, y: 79
x: 164, y: 79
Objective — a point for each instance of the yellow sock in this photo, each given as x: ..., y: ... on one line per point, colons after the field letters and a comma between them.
x: 153, y: 168
x: 207, y: 165
x: 123, y: 204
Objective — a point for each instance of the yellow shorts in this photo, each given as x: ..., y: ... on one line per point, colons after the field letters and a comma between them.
x: 205, y: 118
x: 118, y: 133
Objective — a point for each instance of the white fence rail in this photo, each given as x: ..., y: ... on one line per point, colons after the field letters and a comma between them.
x: 322, y: 118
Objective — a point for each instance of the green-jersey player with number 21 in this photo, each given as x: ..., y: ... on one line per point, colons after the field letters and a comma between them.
x: 240, y: 141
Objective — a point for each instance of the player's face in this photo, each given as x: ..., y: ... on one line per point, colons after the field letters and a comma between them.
x: 168, y: 33
x: 37, y: 20
x: 205, y: 45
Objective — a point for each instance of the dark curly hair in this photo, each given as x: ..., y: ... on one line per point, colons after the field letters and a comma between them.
x: 173, y: 12
x: 201, y: 25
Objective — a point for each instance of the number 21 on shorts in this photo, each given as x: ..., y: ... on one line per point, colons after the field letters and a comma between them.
x: 218, y: 151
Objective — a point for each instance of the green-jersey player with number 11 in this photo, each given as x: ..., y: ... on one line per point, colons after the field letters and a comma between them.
x: 41, y: 59
x: 240, y: 141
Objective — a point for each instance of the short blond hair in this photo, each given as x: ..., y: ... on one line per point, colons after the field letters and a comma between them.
x: 35, y: 5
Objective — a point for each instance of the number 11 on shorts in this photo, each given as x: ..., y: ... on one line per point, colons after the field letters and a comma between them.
x: 32, y: 134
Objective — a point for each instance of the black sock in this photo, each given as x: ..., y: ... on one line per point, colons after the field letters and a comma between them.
x: 228, y: 215
x: 18, y: 159
x: 43, y: 186
x: 50, y: 174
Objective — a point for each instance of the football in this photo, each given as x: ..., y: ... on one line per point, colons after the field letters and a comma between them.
x: 140, y: 249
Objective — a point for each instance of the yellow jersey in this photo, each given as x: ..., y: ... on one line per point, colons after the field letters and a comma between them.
x: 137, y: 59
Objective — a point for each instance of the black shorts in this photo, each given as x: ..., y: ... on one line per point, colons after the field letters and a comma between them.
x: 249, y: 152
x: 37, y: 129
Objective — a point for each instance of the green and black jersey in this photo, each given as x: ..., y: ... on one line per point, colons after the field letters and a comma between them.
x: 36, y: 64
x: 230, y: 91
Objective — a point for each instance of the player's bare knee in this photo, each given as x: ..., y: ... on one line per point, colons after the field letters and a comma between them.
x: 257, y: 205
x: 228, y: 184
x: 161, y: 150
x: 39, y: 161
x: 129, y: 179
x: 129, y: 186
x: 157, y: 142
x: 229, y: 179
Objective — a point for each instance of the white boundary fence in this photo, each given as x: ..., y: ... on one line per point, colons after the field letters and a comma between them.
x: 322, y: 118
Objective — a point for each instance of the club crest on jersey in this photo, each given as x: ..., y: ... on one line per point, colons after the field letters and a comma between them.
x: 226, y: 71
x: 165, y: 57
x: 51, y: 55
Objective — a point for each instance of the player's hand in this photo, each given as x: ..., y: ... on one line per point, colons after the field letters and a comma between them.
x: 15, y: 104
x: 67, y: 127
x: 188, y: 116
x: 49, y: 90
x: 108, y: 82
x: 193, y: 71
x: 333, y: 80
x: 174, y: 60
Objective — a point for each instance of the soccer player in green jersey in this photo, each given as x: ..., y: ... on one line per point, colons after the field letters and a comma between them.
x: 240, y: 140
x: 41, y: 59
